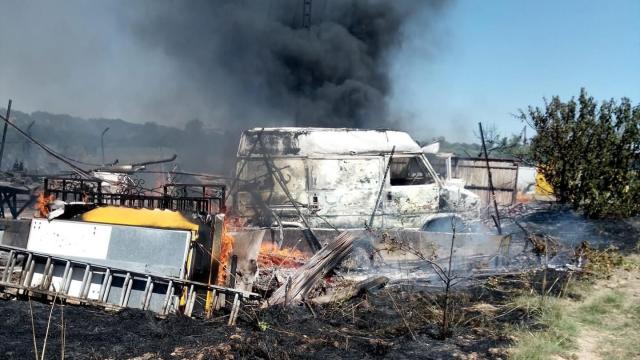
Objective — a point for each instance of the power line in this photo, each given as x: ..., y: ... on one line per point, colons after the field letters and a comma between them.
x: 81, y: 172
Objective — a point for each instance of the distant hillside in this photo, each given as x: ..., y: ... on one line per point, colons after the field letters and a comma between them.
x: 198, y: 148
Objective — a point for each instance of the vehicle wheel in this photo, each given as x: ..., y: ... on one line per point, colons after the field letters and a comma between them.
x: 445, y: 224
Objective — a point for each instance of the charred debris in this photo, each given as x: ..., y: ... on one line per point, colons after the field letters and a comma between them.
x: 314, y: 219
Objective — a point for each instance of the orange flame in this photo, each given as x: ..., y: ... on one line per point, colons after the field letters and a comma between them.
x: 42, y: 205
x: 522, y: 197
x: 271, y: 255
x: 225, y: 255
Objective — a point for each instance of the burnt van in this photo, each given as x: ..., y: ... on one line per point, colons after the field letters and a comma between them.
x: 341, y: 178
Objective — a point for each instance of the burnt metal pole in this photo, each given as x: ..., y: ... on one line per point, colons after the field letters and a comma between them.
x: 4, y: 132
x: 384, y: 179
x: 496, y: 219
x: 102, y: 143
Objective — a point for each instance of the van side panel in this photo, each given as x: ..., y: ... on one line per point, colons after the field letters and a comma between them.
x: 345, y: 189
x: 409, y: 206
x: 258, y: 191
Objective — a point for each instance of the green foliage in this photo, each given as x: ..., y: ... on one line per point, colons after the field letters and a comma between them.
x: 589, y: 153
x: 559, y: 329
x: 564, y: 325
x: 459, y: 149
x: 263, y: 325
x: 497, y: 146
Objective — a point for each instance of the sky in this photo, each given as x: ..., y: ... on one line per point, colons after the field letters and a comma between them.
x: 495, y: 57
x: 482, y: 62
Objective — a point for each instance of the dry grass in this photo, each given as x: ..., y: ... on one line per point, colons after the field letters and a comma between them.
x: 603, y: 324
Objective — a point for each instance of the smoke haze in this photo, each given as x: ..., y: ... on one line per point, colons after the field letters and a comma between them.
x: 225, y: 62
x: 230, y: 64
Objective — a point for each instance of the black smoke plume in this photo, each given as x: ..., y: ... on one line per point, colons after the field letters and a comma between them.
x: 264, y: 63
x: 188, y: 75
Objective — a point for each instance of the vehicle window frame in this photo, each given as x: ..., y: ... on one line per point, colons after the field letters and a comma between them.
x: 428, y: 177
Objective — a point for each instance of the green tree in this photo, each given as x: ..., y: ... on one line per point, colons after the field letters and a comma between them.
x: 589, y: 153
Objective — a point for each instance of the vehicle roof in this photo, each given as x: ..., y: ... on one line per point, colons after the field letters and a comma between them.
x: 305, y: 141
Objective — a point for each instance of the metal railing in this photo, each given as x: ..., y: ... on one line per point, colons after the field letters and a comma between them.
x: 77, y: 281
x: 201, y: 198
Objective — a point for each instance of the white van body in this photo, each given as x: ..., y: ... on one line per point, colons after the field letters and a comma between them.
x: 335, y: 177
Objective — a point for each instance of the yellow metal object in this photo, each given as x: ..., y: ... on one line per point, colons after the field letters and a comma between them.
x: 542, y: 186
x: 156, y: 218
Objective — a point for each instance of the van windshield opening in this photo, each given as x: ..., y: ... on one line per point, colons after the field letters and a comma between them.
x: 408, y: 171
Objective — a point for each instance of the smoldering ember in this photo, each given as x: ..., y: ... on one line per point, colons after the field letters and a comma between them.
x: 301, y: 212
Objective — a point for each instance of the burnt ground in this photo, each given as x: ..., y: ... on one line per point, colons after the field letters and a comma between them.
x: 395, y: 322
x: 391, y: 323
x: 571, y: 227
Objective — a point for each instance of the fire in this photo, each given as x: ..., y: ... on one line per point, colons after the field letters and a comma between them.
x: 522, y: 197
x: 42, y: 205
x: 158, y: 183
x: 271, y: 255
x: 225, y: 254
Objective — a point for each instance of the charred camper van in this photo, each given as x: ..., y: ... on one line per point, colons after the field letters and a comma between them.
x: 334, y: 177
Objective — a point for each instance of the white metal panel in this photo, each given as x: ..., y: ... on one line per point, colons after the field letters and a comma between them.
x: 291, y: 141
x: 75, y: 285
x: 86, y: 240
x: 345, y: 189
x: 351, y: 173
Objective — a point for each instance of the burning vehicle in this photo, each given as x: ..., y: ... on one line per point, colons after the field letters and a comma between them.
x: 302, y: 188
x: 314, y: 217
x: 334, y: 177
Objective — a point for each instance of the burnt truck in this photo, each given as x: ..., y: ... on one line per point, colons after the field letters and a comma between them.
x: 342, y: 178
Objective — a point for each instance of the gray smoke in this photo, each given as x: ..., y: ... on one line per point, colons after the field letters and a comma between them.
x: 265, y: 63
x: 209, y: 67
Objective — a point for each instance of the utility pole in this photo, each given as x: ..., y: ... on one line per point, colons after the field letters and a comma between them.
x: 102, y: 143
x: 306, y: 24
x: 4, y: 132
x: 306, y: 14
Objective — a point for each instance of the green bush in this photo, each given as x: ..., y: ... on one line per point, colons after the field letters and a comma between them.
x: 589, y: 153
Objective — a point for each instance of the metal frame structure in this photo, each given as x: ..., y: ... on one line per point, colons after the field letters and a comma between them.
x: 17, y: 278
x: 9, y: 198
x: 210, y: 197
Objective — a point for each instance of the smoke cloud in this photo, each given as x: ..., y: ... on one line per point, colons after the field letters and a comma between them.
x: 223, y: 65
x: 228, y: 63
x: 266, y: 63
